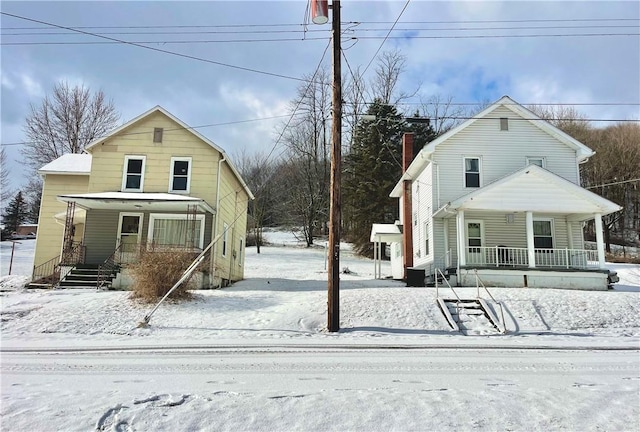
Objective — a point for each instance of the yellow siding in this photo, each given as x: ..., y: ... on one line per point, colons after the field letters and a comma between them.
x: 50, y: 231
x: 108, y: 158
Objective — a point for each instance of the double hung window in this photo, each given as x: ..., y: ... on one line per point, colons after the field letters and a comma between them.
x: 543, y: 234
x: 133, y: 174
x: 180, y: 175
x: 472, y: 172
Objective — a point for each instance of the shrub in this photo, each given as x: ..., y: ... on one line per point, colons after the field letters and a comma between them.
x: 157, y: 270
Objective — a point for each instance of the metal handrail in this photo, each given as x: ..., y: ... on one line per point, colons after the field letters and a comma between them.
x: 108, y: 266
x: 71, y: 258
x: 48, y: 272
x: 450, y: 287
x: 478, y: 283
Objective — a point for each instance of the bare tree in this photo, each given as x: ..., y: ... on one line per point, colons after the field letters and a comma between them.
x: 258, y: 172
x: 384, y: 84
x: 443, y: 113
x: 65, y: 122
x: 6, y: 182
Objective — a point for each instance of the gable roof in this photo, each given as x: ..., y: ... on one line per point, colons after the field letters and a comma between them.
x: 535, y: 189
x: 182, y: 124
x: 69, y: 164
x: 422, y: 158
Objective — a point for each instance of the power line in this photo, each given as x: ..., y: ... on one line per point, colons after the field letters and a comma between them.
x: 158, y: 49
x: 514, y: 103
x: 501, y: 21
x: 386, y: 37
x: 237, y: 32
x: 171, y: 129
x: 172, y: 42
x: 409, y: 37
x: 614, y: 183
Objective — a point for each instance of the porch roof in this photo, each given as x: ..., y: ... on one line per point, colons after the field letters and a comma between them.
x: 136, y: 201
x: 537, y: 190
x: 385, y: 233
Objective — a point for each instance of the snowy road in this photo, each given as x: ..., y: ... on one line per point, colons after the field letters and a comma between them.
x: 135, y: 389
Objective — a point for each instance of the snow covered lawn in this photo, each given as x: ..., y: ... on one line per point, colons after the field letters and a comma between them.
x: 256, y: 356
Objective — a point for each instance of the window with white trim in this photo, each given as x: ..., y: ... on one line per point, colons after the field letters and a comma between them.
x: 225, y: 231
x: 177, y: 230
x: 133, y: 173
x: 474, y: 236
x: 426, y: 238
x: 180, y: 176
x: 543, y: 233
x: 535, y: 160
x: 472, y: 172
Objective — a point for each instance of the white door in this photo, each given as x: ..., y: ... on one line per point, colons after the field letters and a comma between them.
x: 475, y: 241
x: 129, y: 229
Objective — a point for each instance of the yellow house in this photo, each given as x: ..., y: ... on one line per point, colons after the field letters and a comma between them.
x: 153, y: 180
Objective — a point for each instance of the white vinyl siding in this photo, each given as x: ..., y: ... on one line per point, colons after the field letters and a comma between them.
x: 176, y: 230
x: 180, y: 175
x: 502, y: 153
x: 422, y: 196
x: 133, y: 173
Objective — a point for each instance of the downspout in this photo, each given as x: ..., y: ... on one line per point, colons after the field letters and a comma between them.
x: 437, y: 179
x: 215, y: 224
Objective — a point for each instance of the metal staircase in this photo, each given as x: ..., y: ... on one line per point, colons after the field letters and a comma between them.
x: 470, y: 316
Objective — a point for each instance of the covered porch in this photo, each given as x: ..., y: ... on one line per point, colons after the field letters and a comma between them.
x: 528, y: 221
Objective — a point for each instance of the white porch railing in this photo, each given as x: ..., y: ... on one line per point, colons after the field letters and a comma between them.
x: 501, y: 256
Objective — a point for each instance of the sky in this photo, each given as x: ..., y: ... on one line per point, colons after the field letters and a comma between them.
x: 257, y: 78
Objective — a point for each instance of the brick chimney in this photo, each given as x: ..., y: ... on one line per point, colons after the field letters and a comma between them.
x: 407, y: 222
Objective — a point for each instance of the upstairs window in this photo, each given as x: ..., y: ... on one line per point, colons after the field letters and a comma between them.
x: 133, y: 175
x: 157, y: 135
x: 472, y: 172
x: 504, y: 124
x: 536, y: 160
x: 180, y: 178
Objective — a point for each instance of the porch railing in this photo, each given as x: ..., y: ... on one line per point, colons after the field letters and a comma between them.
x: 47, y: 273
x: 502, y: 256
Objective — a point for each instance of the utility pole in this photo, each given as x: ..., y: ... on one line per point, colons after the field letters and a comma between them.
x: 319, y: 12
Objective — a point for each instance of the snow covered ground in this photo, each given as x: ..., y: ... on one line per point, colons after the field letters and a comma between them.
x: 255, y: 356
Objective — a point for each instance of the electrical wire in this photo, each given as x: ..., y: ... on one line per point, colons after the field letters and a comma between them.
x: 386, y: 37
x: 246, y: 69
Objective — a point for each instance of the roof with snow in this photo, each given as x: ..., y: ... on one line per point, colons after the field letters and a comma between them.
x: 70, y: 164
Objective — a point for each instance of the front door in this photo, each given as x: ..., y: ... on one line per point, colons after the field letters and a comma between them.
x: 129, y: 229
x: 475, y: 241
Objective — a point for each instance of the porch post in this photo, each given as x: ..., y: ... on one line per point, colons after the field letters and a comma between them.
x: 462, y: 256
x: 447, y: 258
x: 530, y: 243
x: 600, y: 240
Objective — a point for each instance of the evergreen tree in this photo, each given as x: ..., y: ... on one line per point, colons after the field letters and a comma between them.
x: 372, y: 168
x: 15, y: 214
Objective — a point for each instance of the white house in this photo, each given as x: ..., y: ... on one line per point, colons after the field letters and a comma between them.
x: 500, y: 194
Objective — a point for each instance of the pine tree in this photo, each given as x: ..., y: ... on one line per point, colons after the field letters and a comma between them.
x: 15, y: 213
x: 372, y: 168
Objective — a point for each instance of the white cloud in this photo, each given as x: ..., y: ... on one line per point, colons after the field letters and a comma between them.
x: 32, y: 87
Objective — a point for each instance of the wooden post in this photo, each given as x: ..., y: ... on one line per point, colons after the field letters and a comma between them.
x: 333, y: 287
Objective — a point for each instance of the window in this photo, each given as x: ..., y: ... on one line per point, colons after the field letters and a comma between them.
x: 543, y: 234
x: 157, y: 135
x: 536, y: 160
x: 426, y: 238
x: 133, y: 176
x: 474, y: 236
x: 224, y: 239
x: 176, y: 230
x: 504, y: 124
x: 471, y: 172
x: 240, y: 252
x: 180, y: 176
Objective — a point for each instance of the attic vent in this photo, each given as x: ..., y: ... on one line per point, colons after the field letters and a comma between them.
x: 157, y: 135
x: 504, y: 124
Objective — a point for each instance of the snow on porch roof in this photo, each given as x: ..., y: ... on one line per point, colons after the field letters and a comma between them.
x: 535, y: 189
x: 70, y: 164
x: 385, y: 233
x: 135, y: 200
